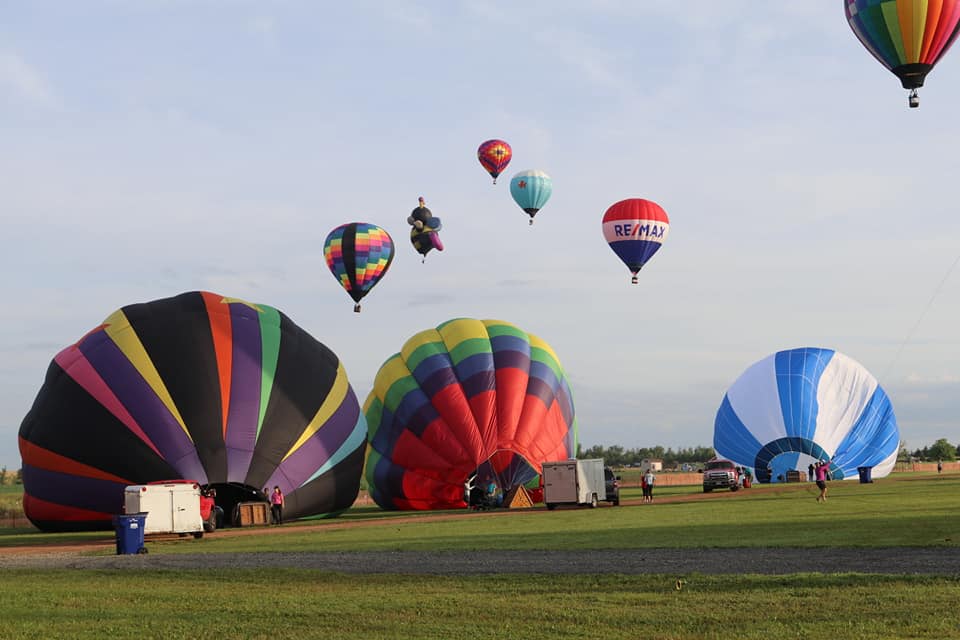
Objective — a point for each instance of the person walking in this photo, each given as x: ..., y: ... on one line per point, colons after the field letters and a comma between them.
x: 810, y: 471
x: 822, y: 470
x: 649, y: 479
x: 276, y: 505
x: 939, y: 466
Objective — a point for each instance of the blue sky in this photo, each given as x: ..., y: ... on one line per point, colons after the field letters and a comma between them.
x: 155, y: 147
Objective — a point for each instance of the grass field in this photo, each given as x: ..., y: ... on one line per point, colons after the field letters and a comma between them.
x: 905, y: 509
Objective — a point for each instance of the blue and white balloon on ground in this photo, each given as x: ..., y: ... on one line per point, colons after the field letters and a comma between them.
x: 800, y: 406
x: 530, y: 190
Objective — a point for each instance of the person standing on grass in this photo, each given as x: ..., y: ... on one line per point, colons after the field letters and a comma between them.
x: 649, y: 479
x: 276, y: 505
x: 939, y: 466
x: 821, y: 471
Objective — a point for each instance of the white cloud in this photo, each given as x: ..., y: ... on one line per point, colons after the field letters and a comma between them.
x: 24, y: 82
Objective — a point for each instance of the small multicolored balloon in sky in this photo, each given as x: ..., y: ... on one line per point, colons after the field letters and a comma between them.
x: 494, y: 155
x: 358, y: 255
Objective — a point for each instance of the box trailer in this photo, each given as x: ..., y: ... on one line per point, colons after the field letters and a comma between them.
x: 171, y: 507
x: 573, y: 482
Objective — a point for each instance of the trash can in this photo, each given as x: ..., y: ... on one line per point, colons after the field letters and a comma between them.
x: 864, y: 474
x: 129, y: 528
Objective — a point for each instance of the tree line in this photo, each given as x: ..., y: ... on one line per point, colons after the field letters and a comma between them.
x: 939, y: 450
x: 617, y: 456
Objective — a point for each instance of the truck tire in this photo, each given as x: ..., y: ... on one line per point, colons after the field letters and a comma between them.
x: 707, y: 489
x: 198, y: 534
x: 593, y: 501
x: 551, y: 506
x: 210, y: 525
x: 735, y: 487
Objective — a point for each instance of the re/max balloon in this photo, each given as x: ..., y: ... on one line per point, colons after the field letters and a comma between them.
x: 800, y: 406
x: 494, y: 155
x: 908, y: 37
x: 423, y: 232
x: 199, y: 387
x: 471, y: 398
x: 358, y: 255
x: 531, y: 190
x: 635, y: 229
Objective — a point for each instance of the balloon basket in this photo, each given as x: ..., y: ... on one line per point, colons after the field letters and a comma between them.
x: 634, y: 279
x: 356, y: 308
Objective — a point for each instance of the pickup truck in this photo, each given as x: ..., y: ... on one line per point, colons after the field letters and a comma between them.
x: 720, y: 474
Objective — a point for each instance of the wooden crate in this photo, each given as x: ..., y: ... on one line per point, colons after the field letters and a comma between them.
x: 251, y: 513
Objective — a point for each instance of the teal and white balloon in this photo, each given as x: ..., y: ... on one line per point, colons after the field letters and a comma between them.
x: 530, y: 190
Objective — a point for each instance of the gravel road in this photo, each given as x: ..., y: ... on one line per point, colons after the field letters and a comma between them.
x: 896, y: 560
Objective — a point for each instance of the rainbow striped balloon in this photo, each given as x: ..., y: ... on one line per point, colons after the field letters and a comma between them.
x: 908, y: 37
x: 358, y: 255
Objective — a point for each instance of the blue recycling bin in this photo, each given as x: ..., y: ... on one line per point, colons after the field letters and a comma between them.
x: 129, y: 528
x: 865, y: 474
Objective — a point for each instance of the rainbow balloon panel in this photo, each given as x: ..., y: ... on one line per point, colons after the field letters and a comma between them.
x: 908, y: 37
x: 199, y: 387
x: 468, y: 397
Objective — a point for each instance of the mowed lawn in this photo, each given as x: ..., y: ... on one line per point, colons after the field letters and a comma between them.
x: 904, y: 509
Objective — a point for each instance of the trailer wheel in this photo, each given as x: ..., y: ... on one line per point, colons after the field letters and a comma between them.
x: 593, y: 501
x: 198, y: 534
x: 551, y: 506
x: 142, y: 550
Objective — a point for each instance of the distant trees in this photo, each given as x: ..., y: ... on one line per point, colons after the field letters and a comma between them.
x: 939, y: 450
x: 943, y: 450
x: 617, y: 456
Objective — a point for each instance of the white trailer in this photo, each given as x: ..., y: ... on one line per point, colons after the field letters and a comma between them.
x: 171, y: 507
x: 573, y: 482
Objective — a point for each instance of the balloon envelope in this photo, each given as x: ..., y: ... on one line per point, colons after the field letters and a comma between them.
x: 469, y: 397
x: 494, y: 155
x: 635, y: 229
x: 799, y: 406
x: 424, y: 229
x: 358, y: 255
x: 908, y: 37
x: 198, y: 387
x: 530, y: 190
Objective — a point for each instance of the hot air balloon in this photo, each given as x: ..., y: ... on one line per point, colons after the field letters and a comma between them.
x: 530, y: 190
x: 801, y: 406
x: 424, y: 228
x: 358, y: 255
x: 200, y: 387
x: 476, y: 400
x: 908, y: 37
x: 635, y: 229
x: 494, y: 155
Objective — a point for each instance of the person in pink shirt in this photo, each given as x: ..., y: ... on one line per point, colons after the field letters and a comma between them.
x: 276, y: 505
x: 821, y: 471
